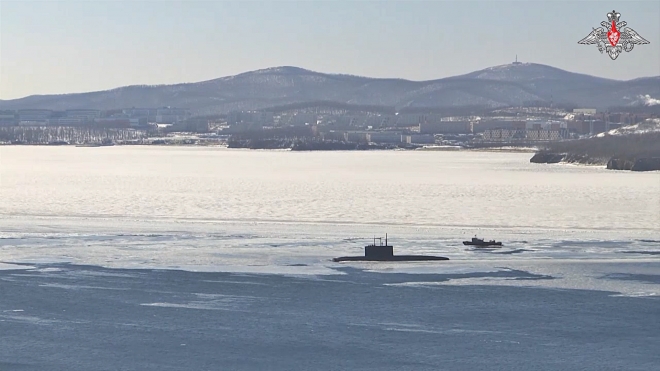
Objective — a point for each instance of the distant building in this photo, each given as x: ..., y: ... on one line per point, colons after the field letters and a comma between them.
x: 255, y: 119
x: 386, y: 121
x: 597, y: 126
x: 149, y: 113
x: 65, y: 121
x: 85, y: 114
x: 355, y: 136
x: 334, y: 135
x: 489, y: 124
x: 529, y: 135
x: 384, y: 137
x: 542, y: 135
x: 420, y: 139
x: 33, y: 123
x: 113, y: 122
x: 585, y: 111
x: 138, y: 122
x: 578, y: 127
x: 8, y: 118
x: 446, y: 127
x: 503, y: 135
x: 535, y: 124
x: 170, y: 115
x: 408, y: 119
x: 34, y: 115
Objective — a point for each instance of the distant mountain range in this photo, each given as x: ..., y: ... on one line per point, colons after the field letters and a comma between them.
x: 507, y: 85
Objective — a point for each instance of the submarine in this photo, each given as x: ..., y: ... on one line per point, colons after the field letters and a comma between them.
x: 385, y: 253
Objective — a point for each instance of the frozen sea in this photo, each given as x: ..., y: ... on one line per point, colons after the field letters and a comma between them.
x: 190, y: 258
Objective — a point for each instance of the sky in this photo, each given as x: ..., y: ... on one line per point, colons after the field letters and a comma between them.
x: 55, y: 47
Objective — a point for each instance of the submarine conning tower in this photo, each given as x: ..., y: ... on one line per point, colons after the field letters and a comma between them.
x: 379, y: 251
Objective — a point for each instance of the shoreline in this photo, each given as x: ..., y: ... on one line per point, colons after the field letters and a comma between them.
x: 504, y: 149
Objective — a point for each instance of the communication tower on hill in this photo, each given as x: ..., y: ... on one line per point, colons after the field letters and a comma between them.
x: 516, y: 62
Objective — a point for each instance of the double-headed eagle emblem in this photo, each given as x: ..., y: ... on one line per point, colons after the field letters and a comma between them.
x: 612, y: 41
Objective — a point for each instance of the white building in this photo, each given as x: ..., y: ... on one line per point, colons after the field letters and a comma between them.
x: 585, y: 111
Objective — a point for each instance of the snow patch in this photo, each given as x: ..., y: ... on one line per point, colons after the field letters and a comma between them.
x: 9, y: 266
x: 646, y: 126
x: 645, y: 100
x: 642, y: 294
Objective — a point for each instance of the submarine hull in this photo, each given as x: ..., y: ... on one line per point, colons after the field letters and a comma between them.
x: 393, y: 258
x: 486, y: 244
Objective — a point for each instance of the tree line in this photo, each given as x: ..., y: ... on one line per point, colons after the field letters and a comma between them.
x: 72, y: 135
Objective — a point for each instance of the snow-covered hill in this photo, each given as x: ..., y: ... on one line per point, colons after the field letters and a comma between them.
x: 498, y: 86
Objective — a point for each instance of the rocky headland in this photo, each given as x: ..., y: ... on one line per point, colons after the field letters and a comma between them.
x: 634, y: 152
x: 638, y: 164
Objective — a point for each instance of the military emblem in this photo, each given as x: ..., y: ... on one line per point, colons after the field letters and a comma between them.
x: 613, y: 37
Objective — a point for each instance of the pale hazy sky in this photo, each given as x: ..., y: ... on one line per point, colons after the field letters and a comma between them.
x: 49, y: 47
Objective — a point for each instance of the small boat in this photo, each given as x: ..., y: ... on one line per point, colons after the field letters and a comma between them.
x: 479, y: 242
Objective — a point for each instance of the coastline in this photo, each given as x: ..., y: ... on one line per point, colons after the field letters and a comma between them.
x: 636, y: 164
x: 504, y: 149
